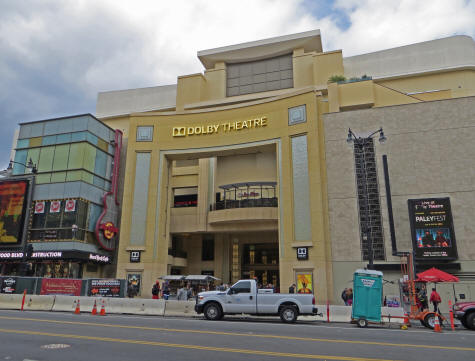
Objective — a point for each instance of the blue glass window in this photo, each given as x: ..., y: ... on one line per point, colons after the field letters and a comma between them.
x: 94, y: 213
x: 22, y: 143
x: 99, y: 182
x: 63, y: 138
x: 100, y: 167
x: 91, y: 138
x: 20, y: 157
x: 78, y: 137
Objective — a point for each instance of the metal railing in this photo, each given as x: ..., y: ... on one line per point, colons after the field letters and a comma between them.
x: 244, y: 203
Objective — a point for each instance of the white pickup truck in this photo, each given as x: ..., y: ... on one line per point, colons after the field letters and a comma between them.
x: 244, y: 297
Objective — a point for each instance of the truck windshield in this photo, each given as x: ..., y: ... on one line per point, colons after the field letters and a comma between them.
x: 242, y: 287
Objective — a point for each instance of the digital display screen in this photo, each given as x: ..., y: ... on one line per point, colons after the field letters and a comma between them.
x: 12, y: 210
x: 432, y: 228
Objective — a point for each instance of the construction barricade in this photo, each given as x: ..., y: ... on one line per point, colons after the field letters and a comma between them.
x: 180, y: 308
x: 38, y: 303
x: 10, y: 301
x: 136, y: 306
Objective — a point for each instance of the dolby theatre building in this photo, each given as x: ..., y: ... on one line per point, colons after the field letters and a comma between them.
x: 244, y: 170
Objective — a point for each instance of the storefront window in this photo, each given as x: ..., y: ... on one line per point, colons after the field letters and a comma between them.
x: 55, y: 220
x: 185, y: 197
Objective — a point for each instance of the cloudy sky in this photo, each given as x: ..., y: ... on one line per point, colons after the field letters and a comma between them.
x: 56, y: 55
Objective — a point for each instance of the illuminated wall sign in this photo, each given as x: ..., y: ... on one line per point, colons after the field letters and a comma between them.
x: 47, y: 255
x: 302, y: 253
x: 226, y: 127
x: 99, y: 258
x: 11, y: 255
x: 432, y: 228
x: 135, y: 256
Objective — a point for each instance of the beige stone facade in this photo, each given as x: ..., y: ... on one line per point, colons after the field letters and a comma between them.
x: 430, y: 155
x: 252, y: 155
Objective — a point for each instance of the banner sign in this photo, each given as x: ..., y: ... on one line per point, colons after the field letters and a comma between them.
x: 55, y: 206
x: 70, y: 205
x: 8, y: 285
x: 304, y: 283
x: 104, y: 288
x: 432, y: 229
x: 60, y: 286
x: 12, y: 210
x: 40, y: 207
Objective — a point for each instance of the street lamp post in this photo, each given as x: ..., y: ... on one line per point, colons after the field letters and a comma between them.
x: 29, y: 165
x: 363, y: 142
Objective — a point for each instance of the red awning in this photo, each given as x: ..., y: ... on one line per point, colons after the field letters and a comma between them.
x: 435, y: 275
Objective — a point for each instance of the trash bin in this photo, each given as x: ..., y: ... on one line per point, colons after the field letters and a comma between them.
x: 367, y: 297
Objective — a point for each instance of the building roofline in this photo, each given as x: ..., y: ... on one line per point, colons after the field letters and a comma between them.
x: 261, y: 49
x: 66, y: 117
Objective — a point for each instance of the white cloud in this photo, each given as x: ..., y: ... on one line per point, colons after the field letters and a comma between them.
x: 377, y: 25
x: 56, y: 55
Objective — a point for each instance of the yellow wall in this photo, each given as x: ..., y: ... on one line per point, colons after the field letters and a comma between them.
x: 246, y: 168
x: 201, y: 101
x: 327, y: 64
x: 254, y: 167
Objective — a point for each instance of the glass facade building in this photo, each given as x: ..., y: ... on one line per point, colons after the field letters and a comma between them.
x: 74, y: 160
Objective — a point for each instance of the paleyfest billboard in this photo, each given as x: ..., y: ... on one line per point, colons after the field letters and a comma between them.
x: 432, y: 229
x: 12, y: 210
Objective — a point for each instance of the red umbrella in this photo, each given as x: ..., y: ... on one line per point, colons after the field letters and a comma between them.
x: 435, y: 275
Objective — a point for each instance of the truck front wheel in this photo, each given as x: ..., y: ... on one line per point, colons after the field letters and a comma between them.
x: 470, y: 321
x: 213, y: 312
x: 288, y: 314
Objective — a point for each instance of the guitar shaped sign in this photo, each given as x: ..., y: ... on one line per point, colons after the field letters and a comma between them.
x: 106, y: 230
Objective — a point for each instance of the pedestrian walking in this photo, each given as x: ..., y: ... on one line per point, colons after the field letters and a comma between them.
x: 435, y: 299
x: 166, y: 291
x: 292, y: 288
x: 156, y: 290
x: 189, y: 292
x: 349, y: 296
x: 344, y: 296
x: 131, y: 291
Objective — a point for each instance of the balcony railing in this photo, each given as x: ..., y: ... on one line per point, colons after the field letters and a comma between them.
x: 244, y: 203
x: 246, y: 195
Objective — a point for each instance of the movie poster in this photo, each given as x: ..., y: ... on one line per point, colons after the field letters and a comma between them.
x: 432, y: 229
x: 134, y: 280
x: 304, y: 283
x: 12, y: 210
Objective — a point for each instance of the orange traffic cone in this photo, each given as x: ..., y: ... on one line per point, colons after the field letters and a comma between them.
x: 77, y: 311
x: 94, y: 309
x: 437, y: 324
x: 103, y: 309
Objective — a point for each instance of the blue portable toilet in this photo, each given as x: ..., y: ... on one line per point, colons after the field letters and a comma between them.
x: 367, y: 297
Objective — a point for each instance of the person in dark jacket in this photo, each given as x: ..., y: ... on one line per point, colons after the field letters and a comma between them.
x: 344, y: 296
x: 292, y: 288
x: 131, y: 291
x: 156, y: 290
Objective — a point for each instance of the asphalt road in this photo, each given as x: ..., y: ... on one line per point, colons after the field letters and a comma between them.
x: 63, y: 336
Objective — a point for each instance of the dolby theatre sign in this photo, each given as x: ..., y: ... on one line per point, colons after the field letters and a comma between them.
x: 226, y: 127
